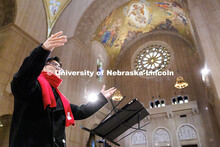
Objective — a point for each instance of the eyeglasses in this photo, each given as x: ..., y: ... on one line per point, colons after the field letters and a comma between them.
x: 56, y: 65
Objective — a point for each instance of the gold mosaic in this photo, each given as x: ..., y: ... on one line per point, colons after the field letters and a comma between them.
x: 138, y: 17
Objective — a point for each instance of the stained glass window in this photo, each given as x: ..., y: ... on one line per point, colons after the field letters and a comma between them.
x: 99, y: 69
x: 152, y: 58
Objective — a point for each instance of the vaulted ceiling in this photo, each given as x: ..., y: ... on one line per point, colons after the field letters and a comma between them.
x: 138, y: 17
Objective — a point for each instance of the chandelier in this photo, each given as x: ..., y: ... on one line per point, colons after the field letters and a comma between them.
x: 180, y: 83
x: 117, y: 96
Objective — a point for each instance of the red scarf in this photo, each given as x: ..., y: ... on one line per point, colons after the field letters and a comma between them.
x: 45, y: 81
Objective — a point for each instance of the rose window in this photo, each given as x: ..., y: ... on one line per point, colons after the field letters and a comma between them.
x: 152, y: 58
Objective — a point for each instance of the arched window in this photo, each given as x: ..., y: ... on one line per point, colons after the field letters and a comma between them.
x: 187, y: 132
x: 152, y: 57
x: 99, y: 69
x: 161, y: 137
x: 138, y: 138
x: 187, y: 135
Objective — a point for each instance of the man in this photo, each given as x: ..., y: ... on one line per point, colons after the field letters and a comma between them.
x: 41, y: 111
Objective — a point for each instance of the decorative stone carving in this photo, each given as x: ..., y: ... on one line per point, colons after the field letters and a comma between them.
x: 195, y: 110
x: 169, y: 114
x: 187, y: 132
x: 161, y: 135
x: 139, y: 138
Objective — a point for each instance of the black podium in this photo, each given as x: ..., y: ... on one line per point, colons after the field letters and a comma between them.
x: 123, y: 119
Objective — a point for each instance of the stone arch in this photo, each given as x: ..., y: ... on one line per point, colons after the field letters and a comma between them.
x: 161, y: 137
x: 150, y: 34
x: 99, y: 51
x: 187, y: 134
x: 7, y: 12
x: 139, y: 138
x: 95, y: 45
x: 142, y: 39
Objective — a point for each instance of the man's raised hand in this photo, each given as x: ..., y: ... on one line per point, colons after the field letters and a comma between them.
x: 108, y: 93
x: 54, y: 41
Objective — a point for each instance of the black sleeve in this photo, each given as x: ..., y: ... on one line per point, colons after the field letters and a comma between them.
x: 84, y: 111
x: 25, y: 80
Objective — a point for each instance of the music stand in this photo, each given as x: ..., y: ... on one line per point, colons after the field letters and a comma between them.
x: 113, y: 126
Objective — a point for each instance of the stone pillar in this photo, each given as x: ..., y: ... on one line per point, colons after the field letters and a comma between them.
x: 205, y: 18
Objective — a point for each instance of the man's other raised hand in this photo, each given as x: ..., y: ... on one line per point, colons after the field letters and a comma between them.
x: 55, y: 40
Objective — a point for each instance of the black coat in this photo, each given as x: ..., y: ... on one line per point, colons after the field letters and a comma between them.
x: 32, y: 125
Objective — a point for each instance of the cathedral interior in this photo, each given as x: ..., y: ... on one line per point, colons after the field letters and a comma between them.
x: 176, y: 38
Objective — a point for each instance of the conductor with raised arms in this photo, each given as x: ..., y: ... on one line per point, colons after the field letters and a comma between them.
x: 41, y: 111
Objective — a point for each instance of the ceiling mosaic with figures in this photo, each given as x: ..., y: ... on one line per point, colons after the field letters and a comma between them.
x: 139, y: 17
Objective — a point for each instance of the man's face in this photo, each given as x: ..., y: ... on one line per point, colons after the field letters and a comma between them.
x: 51, y: 68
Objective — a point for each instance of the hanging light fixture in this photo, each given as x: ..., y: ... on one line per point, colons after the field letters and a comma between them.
x: 117, y: 96
x: 180, y: 83
x: 1, y: 124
